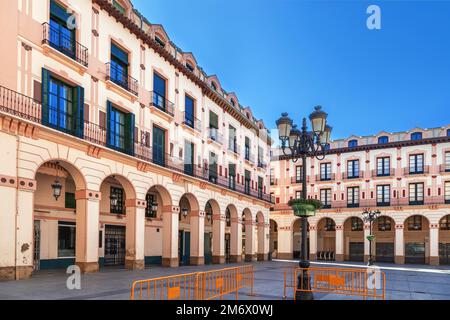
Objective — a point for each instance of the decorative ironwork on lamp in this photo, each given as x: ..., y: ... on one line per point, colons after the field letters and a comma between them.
x: 56, y: 186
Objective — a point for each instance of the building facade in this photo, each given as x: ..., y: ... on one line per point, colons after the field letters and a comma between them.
x: 118, y: 149
x: 405, y: 175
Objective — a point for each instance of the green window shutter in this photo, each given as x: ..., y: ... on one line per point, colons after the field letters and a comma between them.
x: 70, y: 202
x: 45, y: 93
x: 247, y: 175
x: 78, y: 112
x: 108, y: 123
x: 129, y: 133
x: 247, y: 141
x: 232, y: 169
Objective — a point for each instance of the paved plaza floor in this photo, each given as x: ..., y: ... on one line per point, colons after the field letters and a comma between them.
x: 405, y: 282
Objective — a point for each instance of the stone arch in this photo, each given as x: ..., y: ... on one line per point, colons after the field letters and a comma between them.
x: 273, y: 242
x: 353, y: 238
x: 444, y: 240
x: 326, y: 238
x: 416, y: 233
x: 69, y: 167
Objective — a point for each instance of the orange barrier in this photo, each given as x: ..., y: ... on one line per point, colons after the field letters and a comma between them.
x: 289, y: 282
x: 367, y: 283
x: 205, y: 285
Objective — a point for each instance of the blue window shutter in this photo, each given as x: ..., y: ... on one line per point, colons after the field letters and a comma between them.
x: 119, y: 53
x: 78, y: 115
x: 108, y: 123
x: 45, y: 98
x: 58, y: 11
x: 129, y: 133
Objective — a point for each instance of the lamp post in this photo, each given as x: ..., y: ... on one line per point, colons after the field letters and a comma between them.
x: 300, y: 144
x: 370, y: 216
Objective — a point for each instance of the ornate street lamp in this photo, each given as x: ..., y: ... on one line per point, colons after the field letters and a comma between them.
x: 56, y: 186
x: 300, y: 144
x: 114, y: 200
x: 184, y: 212
x: 154, y: 206
x: 370, y: 216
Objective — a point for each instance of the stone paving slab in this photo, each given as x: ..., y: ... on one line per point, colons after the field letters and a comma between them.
x: 404, y: 282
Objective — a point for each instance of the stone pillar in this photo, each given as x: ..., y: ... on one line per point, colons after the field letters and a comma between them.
x: 339, y: 243
x: 87, y: 230
x: 218, y: 250
x: 285, y: 242
x: 135, y: 234
x: 170, y: 236
x: 312, y: 242
x: 263, y: 245
x: 236, y: 240
x: 399, y: 244
x: 250, y: 226
x: 366, y: 243
x: 434, y: 244
x: 197, y: 221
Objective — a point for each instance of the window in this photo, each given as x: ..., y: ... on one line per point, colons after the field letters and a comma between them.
x: 384, y: 224
x: 357, y: 224
x: 159, y: 92
x: 212, y: 167
x: 298, y: 194
x: 353, y: 197
x: 213, y: 85
x: 159, y: 146
x: 118, y: 192
x: 448, y: 132
x: 353, y: 143
x: 119, y: 66
x: 189, y: 158
x: 151, y: 199
x: 70, y: 202
x: 260, y: 187
x: 416, y: 193
x: 383, y: 166
x: 330, y: 225
x: 383, y: 140
x: 61, y: 37
x: 189, y: 67
x: 60, y: 106
x: 415, y: 223
x: 383, y: 195
x: 247, y: 148
x: 66, y: 239
x: 232, y: 176
x: 232, y: 145
x: 416, y: 136
x: 117, y: 128
x: 298, y: 174
x: 119, y: 7
x: 189, y: 111
x: 247, y: 182
x: 416, y: 163
x: 160, y: 42
x: 325, y: 198
x: 353, y: 169
x: 228, y: 217
x: 447, y: 192
x: 444, y: 224
x: 260, y: 157
x: 272, y: 176
x: 447, y: 161
x: 325, y: 171
x: 213, y: 126
x: 232, y: 102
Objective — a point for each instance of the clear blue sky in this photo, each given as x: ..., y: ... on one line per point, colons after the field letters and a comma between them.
x: 289, y: 55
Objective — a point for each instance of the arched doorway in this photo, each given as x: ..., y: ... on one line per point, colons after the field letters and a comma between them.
x: 157, y: 200
x: 260, y: 237
x: 59, y: 219
x: 213, y: 233
x: 297, y: 238
x: 235, y: 234
x: 227, y: 239
x: 416, y: 238
x: 354, y: 239
x: 444, y: 240
x: 326, y: 239
x: 273, y: 243
x: 383, y: 229
x: 248, y: 236
x: 188, y: 235
x: 118, y: 228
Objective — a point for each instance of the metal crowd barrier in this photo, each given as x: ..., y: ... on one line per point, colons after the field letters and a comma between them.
x: 367, y: 283
x: 207, y: 285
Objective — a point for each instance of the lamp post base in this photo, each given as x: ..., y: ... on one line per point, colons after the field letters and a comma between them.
x: 305, y: 280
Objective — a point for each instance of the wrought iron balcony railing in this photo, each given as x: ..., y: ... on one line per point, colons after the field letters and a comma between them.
x: 191, y: 121
x: 444, y: 168
x: 383, y: 173
x: 349, y: 175
x: 121, y: 78
x: 215, y: 135
x: 161, y: 103
x: 416, y: 170
x: 233, y: 146
x: 326, y: 177
x: 65, y: 44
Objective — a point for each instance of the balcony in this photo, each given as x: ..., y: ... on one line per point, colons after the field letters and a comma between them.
x: 192, y: 122
x: 233, y: 146
x: 18, y: 105
x: 215, y: 135
x: 380, y: 173
x: 262, y: 164
x: 349, y: 176
x: 328, y: 177
x: 122, y: 79
x: 295, y: 180
x: 161, y: 103
x: 273, y: 181
x: 249, y: 157
x: 64, y: 44
x: 444, y: 168
x: 409, y: 171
